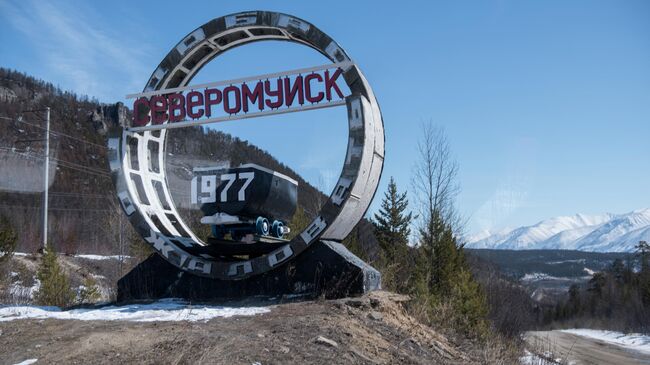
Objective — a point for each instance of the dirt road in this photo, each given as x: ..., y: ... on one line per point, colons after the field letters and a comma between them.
x: 579, y: 350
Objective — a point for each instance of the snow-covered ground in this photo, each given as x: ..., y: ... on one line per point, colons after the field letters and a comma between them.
x: 27, y: 362
x: 81, y: 256
x: 538, y: 276
x: 634, y: 341
x: 101, y: 257
x: 17, y: 290
x: 163, y: 310
x: 533, y: 359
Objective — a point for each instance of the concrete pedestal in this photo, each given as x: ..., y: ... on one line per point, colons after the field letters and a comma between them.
x: 326, y: 269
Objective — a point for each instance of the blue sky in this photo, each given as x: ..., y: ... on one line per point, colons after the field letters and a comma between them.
x: 546, y: 104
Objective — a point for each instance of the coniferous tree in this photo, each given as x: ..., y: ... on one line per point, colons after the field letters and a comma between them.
x: 443, y: 278
x: 470, y: 303
x: 443, y: 254
x: 574, y: 299
x: 643, y: 254
x: 393, y: 222
x: 55, y: 286
x: 615, y: 297
x: 392, y: 227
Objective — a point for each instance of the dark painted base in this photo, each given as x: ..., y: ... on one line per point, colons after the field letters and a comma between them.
x: 326, y: 269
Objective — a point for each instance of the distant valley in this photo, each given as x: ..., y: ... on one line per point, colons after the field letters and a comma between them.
x: 535, y: 265
x: 548, y: 274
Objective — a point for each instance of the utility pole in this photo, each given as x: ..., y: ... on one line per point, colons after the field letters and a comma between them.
x: 46, y: 182
x: 121, y: 242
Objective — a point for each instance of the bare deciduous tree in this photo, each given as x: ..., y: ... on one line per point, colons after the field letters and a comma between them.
x: 435, y: 174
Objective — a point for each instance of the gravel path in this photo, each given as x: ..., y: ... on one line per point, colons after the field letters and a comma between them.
x: 579, y: 350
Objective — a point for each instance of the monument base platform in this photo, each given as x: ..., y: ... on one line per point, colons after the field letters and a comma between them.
x: 326, y: 269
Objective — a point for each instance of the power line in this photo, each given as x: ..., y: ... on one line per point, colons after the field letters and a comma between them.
x: 83, y: 166
x: 65, y: 164
x: 56, y: 132
x: 97, y: 170
x: 86, y: 171
x: 59, y: 209
x: 82, y: 195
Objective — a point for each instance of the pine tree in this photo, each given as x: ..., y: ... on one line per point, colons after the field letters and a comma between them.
x: 574, y: 299
x: 439, y: 246
x: 392, y: 222
x: 643, y: 253
x: 470, y: 304
x: 55, y: 286
x: 392, y: 227
x: 450, y: 282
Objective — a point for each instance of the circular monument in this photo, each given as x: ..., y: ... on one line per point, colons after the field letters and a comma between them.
x: 137, y: 151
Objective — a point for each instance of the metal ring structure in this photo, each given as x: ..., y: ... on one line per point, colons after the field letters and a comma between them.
x: 137, y: 159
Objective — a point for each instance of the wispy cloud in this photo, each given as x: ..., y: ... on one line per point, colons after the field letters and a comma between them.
x: 78, y: 47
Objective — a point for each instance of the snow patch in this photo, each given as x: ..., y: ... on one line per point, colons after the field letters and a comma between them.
x: 634, y: 341
x: 27, y: 362
x: 163, y: 310
x: 81, y: 256
x: 532, y: 359
x: 589, y: 271
x: 17, y: 290
x: 2, y: 253
x: 538, y: 276
x: 579, y: 261
x: 101, y: 257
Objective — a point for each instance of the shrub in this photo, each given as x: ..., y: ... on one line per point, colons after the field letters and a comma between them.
x: 89, y: 292
x: 55, y: 286
x: 8, y: 239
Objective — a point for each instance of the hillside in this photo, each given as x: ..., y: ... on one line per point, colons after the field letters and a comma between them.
x: 598, y: 233
x: 373, y: 329
x: 83, y: 215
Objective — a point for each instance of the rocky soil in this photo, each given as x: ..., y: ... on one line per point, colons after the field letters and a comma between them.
x: 373, y: 329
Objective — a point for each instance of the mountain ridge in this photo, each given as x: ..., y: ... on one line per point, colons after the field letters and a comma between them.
x: 605, y: 232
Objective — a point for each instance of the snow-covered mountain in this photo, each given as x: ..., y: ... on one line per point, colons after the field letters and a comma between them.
x: 597, y: 233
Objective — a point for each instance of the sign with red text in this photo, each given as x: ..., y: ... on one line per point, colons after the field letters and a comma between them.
x: 256, y: 96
